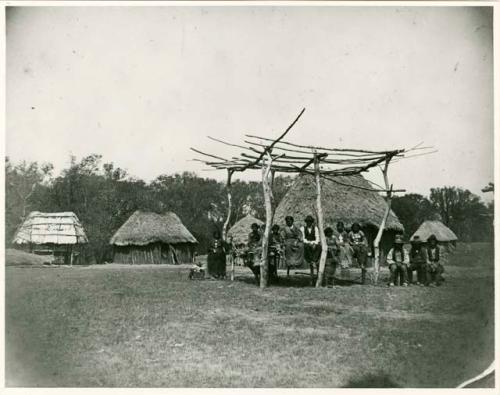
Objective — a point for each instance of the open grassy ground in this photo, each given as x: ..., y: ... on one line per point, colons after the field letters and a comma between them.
x: 124, y: 326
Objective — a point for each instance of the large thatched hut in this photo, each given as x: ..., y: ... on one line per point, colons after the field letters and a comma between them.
x: 444, y: 235
x: 58, y: 236
x: 148, y: 237
x: 341, y: 201
x: 240, y: 230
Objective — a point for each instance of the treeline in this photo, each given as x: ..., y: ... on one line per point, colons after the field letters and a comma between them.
x: 103, y: 196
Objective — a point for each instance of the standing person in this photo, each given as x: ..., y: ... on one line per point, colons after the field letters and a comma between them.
x: 434, y: 267
x: 275, y: 251
x: 332, y: 257
x: 310, y: 234
x: 216, y: 258
x: 418, y: 261
x: 294, y: 247
x: 345, y: 250
x: 398, y: 259
x: 359, y: 244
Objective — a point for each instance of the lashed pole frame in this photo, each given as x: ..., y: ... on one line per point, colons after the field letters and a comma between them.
x: 228, y: 216
x: 378, y: 238
x: 263, y: 158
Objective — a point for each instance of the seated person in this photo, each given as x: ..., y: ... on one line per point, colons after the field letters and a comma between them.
x: 293, y: 244
x: 418, y: 261
x: 434, y: 267
x: 332, y: 257
x: 398, y: 259
x: 359, y: 244
x: 312, y: 249
x: 275, y: 251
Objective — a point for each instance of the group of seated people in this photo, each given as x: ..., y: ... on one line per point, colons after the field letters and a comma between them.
x: 291, y: 246
x: 422, y: 259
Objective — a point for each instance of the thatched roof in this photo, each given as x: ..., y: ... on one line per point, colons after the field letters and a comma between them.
x: 145, y: 227
x: 437, y: 228
x: 340, y: 203
x: 240, y: 230
x: 53, y: 228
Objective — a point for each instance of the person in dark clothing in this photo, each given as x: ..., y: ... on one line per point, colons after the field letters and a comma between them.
x: 312, y: 249
x: 359, y: 244
x: 332, y: 257
x: 398, y: 259
x: 418, y: 262
x: 252, y: 256
x: 274, y: 252
x: 434, y: 267
x: 216, y: 258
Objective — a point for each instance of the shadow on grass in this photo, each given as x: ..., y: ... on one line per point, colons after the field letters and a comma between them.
x: 378, y: 380
x: 295, y: 281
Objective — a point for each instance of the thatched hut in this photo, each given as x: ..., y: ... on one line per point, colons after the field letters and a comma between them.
x: 148, y: 237
x: 240, y: 230
x: 341, y: 201
x: 445, y: 236
x: 59, y: 236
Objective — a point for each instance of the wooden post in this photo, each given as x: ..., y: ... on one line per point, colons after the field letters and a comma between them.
x: 229, y: 204
x: 264, y: 265
x: 71, y: 256
x: 376, y: 243
x: 321, y: 224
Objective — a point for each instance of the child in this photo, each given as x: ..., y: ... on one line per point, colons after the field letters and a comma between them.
x: 359, y: 244
x: 434, y: 268
x: 398, y: 259
x: 331, y: 262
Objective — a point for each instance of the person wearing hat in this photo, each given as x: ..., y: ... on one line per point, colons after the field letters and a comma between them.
x: 398, y: 259
x: 359, y: 244
x: 418, y: 261
x: 434, y: 267
x: 312, y: 249
x: 293, y: 245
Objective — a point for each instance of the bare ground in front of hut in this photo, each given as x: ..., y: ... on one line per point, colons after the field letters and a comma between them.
x: 131, y: 326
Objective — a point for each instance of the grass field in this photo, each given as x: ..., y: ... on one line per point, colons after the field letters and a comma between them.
x: 123, y: 326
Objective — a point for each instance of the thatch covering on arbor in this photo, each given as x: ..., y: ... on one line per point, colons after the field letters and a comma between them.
x: 51, y: 228
x: 148, y: 237
x: 437, y: 228
x: 240, y: 230
x: 341, y: 201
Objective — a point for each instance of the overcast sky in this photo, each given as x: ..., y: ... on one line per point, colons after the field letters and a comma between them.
x: 140, y: 85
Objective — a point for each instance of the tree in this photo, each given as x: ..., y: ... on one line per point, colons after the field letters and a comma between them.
x: 21, y: 183
x: 412, y: 209
x: 463, y: 212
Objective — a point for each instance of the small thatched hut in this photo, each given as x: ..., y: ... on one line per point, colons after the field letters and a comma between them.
x: 444, y: 235
x: 57, y: 235
x: 240, y: 230
x: 341, y: 201
x: 153, y: 238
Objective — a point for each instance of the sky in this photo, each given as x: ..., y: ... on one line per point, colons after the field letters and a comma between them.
x: 141, y: 85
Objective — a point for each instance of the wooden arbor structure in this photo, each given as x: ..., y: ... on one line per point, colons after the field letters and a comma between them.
x: 277, y: 155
